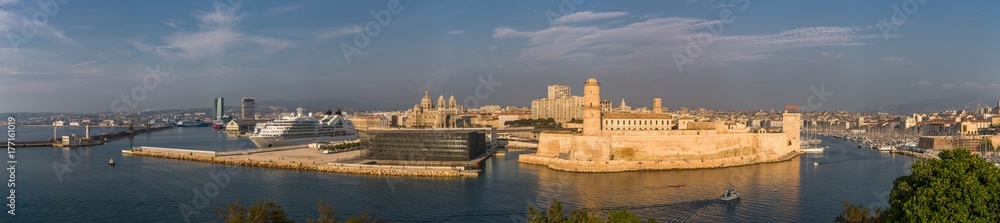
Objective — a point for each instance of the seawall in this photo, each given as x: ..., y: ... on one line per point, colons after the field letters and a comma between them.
x: 626, y: 166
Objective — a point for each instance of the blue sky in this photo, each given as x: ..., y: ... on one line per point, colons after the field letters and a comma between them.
x: 87, y: 54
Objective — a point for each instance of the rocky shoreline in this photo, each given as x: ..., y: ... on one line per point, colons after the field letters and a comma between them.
x: 915, y: 154
x: 353, y: 169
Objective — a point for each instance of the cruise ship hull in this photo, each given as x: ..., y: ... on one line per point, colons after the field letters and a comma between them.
x: 275, y: 141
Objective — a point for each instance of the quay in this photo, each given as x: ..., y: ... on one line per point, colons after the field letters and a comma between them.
x: 300, y: 157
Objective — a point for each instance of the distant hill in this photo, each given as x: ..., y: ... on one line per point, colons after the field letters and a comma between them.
x: 331, y: 104
x: 967, y: 102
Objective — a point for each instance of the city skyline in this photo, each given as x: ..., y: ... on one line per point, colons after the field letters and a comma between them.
x: 763, y: 55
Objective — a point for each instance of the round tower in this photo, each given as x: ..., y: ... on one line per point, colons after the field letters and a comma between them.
x: 591, y: 107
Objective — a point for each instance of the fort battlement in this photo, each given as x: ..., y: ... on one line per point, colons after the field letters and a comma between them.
x: 699, y: 145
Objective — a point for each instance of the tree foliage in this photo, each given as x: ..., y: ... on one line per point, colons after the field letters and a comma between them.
x: 862, y: 214
x: 269, y: 212
x: 342, y: 146
x: 958, y: 187
x: 263, y: 211
x: 554, y: 214
x: 538, y: 123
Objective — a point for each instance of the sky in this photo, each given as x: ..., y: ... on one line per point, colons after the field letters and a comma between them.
x: 117, y: 55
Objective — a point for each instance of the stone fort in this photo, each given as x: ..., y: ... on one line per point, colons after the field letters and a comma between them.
x: 632, y: 142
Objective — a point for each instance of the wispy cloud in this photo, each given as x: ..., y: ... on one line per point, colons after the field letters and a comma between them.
x: 86, y: 63
x: 281, y: 10
x: 216, y: 37
x: 898, y: 60
x: 922, y: 83
x: 981, y: 86
x: 586, y: 16
x: 947, y: 85
x: 331, y: 33
x: 7, y: 20
x: 656, y: 38
x: 831, y: 55
x: 4, y: 2
x: 455, y: 32
x: 13, y: 23
x: 172, y: 23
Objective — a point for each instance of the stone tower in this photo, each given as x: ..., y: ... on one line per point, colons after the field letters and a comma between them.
x: 657, y: 105
x: 791, y: 123
x: 441, y: 104
x: 591, y: 107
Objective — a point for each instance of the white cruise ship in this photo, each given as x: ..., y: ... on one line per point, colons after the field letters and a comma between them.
x: 303, y: 129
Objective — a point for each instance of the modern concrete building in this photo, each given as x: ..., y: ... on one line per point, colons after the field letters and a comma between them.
x: 451, y: 144
x: 218, y: 108
x: 559, y: 105
x: 558, y: 91
x: 247, y: 108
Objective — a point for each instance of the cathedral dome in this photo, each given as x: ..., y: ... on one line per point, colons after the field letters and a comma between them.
x: 426, y: 101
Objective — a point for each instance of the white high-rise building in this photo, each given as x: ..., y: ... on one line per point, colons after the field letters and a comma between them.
x: 559, y: 105
x: 558, y: 91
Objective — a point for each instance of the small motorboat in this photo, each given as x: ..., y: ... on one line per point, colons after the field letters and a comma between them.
x: 730, y: 194
x: 111, y: 162
x: 814, y: 150
x: 885, y: 148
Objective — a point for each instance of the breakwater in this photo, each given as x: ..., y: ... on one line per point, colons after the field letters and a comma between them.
x: 366, y: 169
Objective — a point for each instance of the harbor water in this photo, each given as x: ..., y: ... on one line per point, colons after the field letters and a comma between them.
x: 78, y: 185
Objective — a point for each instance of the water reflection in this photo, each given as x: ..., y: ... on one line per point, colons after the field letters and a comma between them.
x: 679, y: 195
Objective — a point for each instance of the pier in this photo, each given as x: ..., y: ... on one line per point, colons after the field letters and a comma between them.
x: 300, y: 157
x: 94, y: 140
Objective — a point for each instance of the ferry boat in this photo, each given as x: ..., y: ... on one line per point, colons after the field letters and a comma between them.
x: 218, y: 124
x: 303, y: 129
x: 190, y: 123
